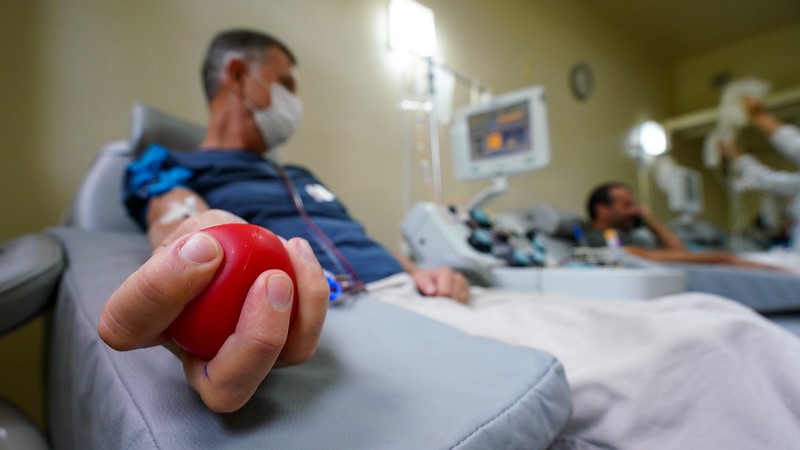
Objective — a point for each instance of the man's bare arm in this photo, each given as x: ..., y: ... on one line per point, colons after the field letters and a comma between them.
x: 166, y: 212
x: 665, y: 236
x: 684, y: 256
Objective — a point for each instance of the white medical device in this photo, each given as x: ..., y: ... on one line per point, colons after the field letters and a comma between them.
x: 507, y: 135
x: 504, y: 136
x: 685, y: 192
x: 682, y: 186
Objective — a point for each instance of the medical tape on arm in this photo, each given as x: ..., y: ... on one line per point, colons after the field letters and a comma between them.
x: 180, y: 210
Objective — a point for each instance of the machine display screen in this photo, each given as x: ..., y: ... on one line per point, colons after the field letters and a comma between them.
x: 501, y: 132
x: 506, y: 135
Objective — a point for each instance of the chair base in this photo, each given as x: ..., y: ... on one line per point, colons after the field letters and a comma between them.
x: 17, y: 432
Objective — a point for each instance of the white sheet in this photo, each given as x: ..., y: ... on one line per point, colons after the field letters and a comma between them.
x: 788, y: 260
x: 683, y: 371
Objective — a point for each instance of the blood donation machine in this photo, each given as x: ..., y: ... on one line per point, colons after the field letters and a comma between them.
x: 508, y: 135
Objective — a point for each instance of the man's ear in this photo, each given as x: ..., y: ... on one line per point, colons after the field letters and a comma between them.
x: 233, y: 74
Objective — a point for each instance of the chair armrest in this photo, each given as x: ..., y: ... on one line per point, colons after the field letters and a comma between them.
x: 30, y: 267
x: 382, y: 378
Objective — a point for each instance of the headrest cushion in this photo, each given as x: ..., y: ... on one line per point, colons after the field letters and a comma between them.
x: 151, y: 126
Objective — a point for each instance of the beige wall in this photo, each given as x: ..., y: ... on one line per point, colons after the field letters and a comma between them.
x: 82, y: 64
x: 773, y: 56
x: 537, y: 42
x: 73, y: 68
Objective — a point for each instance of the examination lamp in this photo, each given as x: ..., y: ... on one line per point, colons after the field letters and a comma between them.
x: 647, y: 139
x: 411, y: 28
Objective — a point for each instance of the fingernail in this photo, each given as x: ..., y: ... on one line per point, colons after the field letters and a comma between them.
x: 279, y: 291
x: 304, y: 248
x: 198, y: 249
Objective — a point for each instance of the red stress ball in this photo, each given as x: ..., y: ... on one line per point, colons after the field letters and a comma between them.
x: 208, y: 320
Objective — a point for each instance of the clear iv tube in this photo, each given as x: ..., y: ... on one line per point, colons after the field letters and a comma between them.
x: 330, y: 249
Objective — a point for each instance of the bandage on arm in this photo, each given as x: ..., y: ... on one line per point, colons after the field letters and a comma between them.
x: 166, y: 212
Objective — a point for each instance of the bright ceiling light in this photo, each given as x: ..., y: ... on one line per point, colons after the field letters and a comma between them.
x: 411, y: 28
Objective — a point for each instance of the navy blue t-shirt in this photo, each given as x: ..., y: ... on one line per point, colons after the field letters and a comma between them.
x: 249, y: 186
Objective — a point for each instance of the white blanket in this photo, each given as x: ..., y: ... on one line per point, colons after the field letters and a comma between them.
x: 687, y: 371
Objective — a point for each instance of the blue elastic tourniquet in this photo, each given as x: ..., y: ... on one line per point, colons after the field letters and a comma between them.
x: 153, y: 174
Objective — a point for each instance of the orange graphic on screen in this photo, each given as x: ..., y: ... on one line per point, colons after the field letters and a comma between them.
x: 494, y: 142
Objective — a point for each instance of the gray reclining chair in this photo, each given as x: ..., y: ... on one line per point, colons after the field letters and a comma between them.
x: 30, y: 267
x: 382, y: 378
x: 98, y: 204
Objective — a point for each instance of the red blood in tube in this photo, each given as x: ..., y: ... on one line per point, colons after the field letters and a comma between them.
x: 208, y: 320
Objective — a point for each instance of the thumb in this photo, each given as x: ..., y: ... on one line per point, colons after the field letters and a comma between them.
x: 145, y: 304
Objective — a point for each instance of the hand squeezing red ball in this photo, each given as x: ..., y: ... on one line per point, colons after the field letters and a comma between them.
x: 208, y: 320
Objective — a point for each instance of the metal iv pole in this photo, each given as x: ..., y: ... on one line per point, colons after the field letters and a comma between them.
x: 436, y: 171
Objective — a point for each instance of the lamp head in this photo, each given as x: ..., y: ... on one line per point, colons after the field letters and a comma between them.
x: 647, y: 139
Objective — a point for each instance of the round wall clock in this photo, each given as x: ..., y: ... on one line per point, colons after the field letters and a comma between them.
x: 581, y: 80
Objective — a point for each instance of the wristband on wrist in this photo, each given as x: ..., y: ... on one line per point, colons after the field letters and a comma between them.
x: 154, y: 174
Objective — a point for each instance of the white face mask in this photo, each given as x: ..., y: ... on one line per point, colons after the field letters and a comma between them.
x: 279, y: 120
